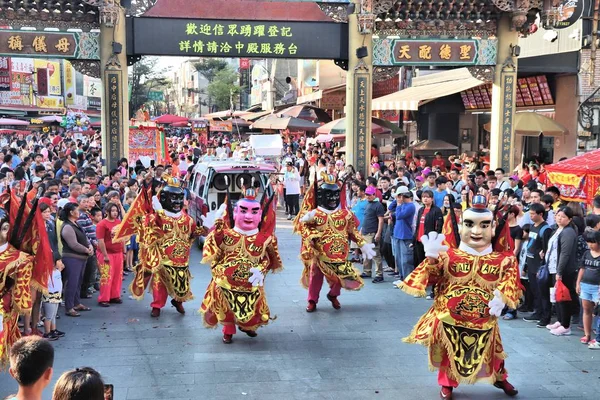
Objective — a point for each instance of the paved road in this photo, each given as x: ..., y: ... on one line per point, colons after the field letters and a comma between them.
x: 354, y: 353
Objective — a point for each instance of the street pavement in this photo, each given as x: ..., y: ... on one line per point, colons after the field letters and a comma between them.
x: 353, y: 353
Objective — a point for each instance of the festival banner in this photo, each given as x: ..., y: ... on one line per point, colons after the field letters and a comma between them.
x: 53, y: 71
x: 144, y: 141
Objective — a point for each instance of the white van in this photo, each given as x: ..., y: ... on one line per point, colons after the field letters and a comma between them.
x: 210, y: 180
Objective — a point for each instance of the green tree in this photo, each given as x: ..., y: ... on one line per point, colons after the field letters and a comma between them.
x: 144, y: 76
x: 223, y: 90
x: 209, y: 67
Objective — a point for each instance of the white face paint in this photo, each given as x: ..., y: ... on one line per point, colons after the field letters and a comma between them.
x: 477, y: 229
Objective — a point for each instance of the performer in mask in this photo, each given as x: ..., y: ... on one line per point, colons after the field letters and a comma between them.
x: 16, y: 270
x: 165, y: 234
x: 474, y: 283
x: 241, y: 251
x: 326, y: 227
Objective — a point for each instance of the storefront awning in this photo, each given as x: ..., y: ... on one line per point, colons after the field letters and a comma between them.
x: 309, y: 98
x: 318, y: 94
x: 427, y: 88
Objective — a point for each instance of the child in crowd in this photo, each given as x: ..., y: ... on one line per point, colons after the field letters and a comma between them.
x: 588, y: 285
x: 50, y: 303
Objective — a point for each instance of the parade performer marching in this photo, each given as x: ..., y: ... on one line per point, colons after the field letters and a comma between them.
x: 165, y: 235
x: 241, y: 250
x: 16, y: 270
x: 326, y: 227
x: 473, y: 284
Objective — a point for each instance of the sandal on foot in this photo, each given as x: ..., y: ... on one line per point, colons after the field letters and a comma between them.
x: 72, y: 313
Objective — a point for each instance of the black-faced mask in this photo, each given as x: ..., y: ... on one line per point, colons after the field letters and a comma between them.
x: 329, y: 199
x: 171, y: 199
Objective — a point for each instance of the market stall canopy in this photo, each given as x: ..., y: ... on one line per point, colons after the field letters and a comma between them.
x: 426, y: 88
x: 433, y: 145
x: 226, y: 114
x: 50, y: 118
x: 182, y: 124
x: 274, y: 121
x: 577, y: 178
x: 240, y: 123
x: 13, y: 132
x: 253, y: 116
x: 329, y: 137
x: 395, y: 129
x: 170, y: 119
x: 534, y: 124
x: 338, y: 126
x: 307, y: 112
x: 13, y: 122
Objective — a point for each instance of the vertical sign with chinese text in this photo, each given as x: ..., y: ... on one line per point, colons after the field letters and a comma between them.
x: 359, y: 119
x: 5, y: 74
x: 508, y: 87
x: 113, y: 101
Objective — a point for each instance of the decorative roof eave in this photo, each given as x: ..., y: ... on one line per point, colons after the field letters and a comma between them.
x: 75, y: 14
x: 251, y: 10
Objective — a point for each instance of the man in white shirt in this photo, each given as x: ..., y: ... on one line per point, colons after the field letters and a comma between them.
x: 291, y: 182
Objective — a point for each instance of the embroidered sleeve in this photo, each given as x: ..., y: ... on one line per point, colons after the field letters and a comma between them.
x: 426, y: 273
x: 510, y: 285
x: 212, y: 243
x: 275, y: 263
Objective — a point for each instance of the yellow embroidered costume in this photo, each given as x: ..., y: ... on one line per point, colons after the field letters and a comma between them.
x: 473, y: 284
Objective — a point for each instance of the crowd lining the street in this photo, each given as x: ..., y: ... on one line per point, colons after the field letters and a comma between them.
x: 396, y: 203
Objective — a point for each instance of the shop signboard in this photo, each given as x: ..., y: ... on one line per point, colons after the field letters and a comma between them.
x: 156, y: 95
x: 4, y: 74
x: 447, y: 52
x: 238, y: 38
x: 21, y: 65
x: 531, y: 91
x: 72, y: 45
x: 221, y: 126
x: 91, y: 86
x: 69, y: 78
x: 50, y: 101
x: 93, y: 103
x: 52, y: 72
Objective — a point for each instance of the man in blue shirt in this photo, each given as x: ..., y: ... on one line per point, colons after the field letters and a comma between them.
x: 404, y: 210
x: 440, y: 192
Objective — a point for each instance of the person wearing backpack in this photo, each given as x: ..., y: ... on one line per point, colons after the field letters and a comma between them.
x: 539, y: 235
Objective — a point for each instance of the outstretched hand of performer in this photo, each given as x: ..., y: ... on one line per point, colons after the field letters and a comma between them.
x: 257, y: 278
x: 368, y: 251
x: 496, y: 304
x: 433, y: 244
x: 309, y: 216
